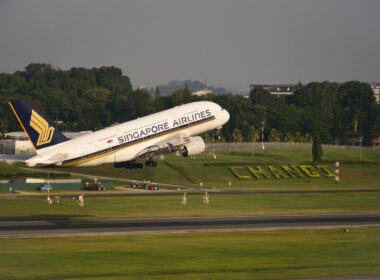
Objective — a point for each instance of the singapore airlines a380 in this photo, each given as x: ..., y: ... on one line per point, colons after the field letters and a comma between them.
x: 172, y: 130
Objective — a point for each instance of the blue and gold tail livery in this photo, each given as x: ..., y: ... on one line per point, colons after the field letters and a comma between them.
x: 41, y: 132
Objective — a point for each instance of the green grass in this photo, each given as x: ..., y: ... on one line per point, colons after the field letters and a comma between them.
x: 281, y: 254
x: 239, y: 255
x: 215, y: 172
x: 168, y: 206
x: 10, y: 171
x: 354, y: 174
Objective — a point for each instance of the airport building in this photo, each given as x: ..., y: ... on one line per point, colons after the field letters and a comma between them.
x: 276, y: 89
x: 202, y: 92
x: 376, y: 91
x: 289, y: 89
x: 356, y: 138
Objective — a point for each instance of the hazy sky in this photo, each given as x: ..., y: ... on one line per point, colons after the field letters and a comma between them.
x: 231, y: 43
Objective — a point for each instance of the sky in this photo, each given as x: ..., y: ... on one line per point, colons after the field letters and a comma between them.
x: 231, y: 43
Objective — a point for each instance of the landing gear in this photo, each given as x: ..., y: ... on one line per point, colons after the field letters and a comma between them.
x: 217, y: 136
x: 128, y: 165
x: 151, y: 163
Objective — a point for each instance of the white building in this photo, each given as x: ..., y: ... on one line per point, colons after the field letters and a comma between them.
x: 276, y: 89
x: 202, y: 92
x: 376, y: 91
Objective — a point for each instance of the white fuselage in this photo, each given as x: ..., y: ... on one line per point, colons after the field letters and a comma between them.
x: 125, y: 141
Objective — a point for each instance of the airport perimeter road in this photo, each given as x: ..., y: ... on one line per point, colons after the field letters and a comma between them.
x: 196, y: 224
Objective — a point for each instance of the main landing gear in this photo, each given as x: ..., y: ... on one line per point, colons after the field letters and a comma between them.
x: 128, y: 165
x: 151, y: 163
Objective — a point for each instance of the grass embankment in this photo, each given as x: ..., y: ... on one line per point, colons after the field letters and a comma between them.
x: 240, y: 255
x: 11, y: 171
x: 169, y: 206
x: 215, y: 172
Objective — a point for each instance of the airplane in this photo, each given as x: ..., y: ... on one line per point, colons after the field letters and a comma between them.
x: 172, y: 130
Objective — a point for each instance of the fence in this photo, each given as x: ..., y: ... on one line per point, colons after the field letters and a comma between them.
x: 55, y: 186
x: 278, y: 145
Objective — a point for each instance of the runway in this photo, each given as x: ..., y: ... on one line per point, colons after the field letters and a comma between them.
x: 21, y: 229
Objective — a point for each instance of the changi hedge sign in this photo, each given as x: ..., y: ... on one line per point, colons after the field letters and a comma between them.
x: 280, y: 172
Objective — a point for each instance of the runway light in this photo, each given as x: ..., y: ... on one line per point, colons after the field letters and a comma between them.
x: 184, y: 199
x: 206, y: 198
x: 346, y: 230
x: 336, y: 178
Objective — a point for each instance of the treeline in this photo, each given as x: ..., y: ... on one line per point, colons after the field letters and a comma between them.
x: 90, y: 99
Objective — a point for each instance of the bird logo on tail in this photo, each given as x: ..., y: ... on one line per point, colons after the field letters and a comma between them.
x: 39, y: 124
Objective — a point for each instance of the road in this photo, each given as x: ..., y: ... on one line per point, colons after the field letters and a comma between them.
x: 188, y: 224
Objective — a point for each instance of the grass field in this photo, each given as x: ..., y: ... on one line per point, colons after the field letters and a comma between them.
x: 238, y: 255
x: 284, y: 254
x: 169, y: 206
x: 215, y: 172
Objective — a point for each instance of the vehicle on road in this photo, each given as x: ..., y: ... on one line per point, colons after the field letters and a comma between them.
x: 152, y: 187
x: 44, y: 187
x: 94, y: 186
x: 135, y: 185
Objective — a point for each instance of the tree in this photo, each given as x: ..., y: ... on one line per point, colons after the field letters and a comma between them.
x: 157, y: 93
x: 285, y: 118
x: 317, y: 146
x: 254, y: 134
x: 181, y: 96
x: 289, y: 137
x: 112, y: 79
x: 261, y: 96
x: 359, y: 109
x: 96, y: 100
x: 237, y: 136
x: 318, y: 101
x: 298, y: 137
x: 140, y: 104
x: 308, y: 138
x: 274, y: 135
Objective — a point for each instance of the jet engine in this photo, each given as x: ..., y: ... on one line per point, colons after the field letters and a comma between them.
x: 194, y: 147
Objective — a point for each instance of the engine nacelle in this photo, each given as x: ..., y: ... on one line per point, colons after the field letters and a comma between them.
x: 196, y: 146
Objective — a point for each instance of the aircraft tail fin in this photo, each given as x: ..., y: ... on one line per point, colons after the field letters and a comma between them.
x: 40, y: 131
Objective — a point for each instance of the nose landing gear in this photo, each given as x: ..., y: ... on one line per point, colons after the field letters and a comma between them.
x: 217, y: 136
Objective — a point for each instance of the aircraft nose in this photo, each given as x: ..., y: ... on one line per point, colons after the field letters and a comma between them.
x: 225, y: 116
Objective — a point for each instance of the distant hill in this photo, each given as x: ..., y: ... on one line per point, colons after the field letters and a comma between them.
x: 192, y: 85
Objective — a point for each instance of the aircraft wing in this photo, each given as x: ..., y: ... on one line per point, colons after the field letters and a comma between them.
x: 170, y: 145
x: 34, y: 160
x: 55, y: 159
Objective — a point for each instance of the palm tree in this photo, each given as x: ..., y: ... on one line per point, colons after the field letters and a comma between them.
x: 289, y: 137
x: 237, y: 136
x: 299, y: 138
x: 274, y: 135
x: 308, y: 138
x: 253, y: 134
